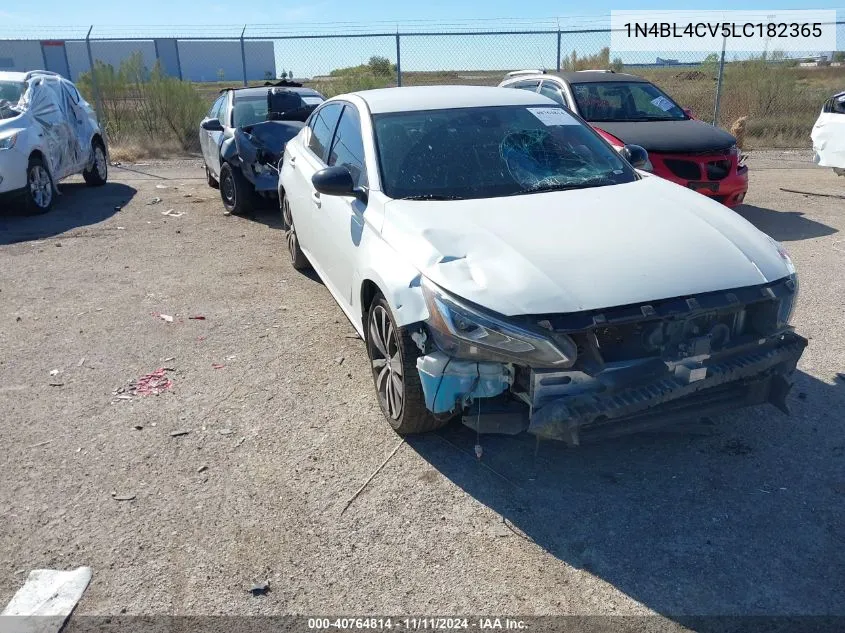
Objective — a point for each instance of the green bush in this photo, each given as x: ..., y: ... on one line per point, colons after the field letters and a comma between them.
x: 139, y: 104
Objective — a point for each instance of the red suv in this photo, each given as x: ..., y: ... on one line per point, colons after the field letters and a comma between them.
x: 626, y: 109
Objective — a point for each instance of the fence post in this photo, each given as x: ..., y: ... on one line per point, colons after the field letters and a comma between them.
x: 243, y: 54
x: 719, y: 84
x: 398, y: 62
x: 95, y: 86
x: 557, y: 63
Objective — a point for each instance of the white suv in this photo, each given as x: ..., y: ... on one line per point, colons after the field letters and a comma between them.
x: 47, y: 132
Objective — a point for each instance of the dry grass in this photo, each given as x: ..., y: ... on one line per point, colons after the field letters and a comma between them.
x: 135, y: 149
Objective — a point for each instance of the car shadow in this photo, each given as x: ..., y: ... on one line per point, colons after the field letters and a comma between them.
x: 266, y: 211
x: 78, y: 205
x: 784, y: 226
x: 740, y: 515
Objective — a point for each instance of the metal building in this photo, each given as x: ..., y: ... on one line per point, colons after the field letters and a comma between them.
x: 195, y: 60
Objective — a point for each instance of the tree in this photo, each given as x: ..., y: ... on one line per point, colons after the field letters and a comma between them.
x: 380, y: 66
x: 221, y: 74
x: 839, y: 56
x: 596, y: 61
x: 268, y: 75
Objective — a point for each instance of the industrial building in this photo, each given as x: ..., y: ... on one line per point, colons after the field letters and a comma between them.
x: 194, y: 60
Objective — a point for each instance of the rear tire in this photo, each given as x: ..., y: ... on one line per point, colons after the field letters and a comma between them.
x: 99, y: 172
x: 40, y: 192
x: 235, y: 190
x: 393, y: 359
x: 297, y: 258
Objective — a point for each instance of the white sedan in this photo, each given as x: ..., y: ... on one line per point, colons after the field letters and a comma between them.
x: 504, y: 264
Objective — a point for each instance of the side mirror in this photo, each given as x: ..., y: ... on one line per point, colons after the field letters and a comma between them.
x: 637, y: 156
x: 212, y: 125
x: 337, y: 181
x: 689, y: 113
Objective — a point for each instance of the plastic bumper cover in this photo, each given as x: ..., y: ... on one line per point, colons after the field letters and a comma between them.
x: 721, y: 384
x: 12, y: 170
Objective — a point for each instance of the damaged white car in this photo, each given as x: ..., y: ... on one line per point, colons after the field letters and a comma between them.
x: 47, y: 132
x: 829, y: 135
x: 503, y: 263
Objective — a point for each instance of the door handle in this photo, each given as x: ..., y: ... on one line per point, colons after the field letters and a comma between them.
x: 315, y: 197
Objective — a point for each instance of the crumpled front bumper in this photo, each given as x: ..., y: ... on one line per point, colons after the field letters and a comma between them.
x: 751, y: 376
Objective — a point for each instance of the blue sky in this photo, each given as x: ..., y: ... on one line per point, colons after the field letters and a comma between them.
x: 216, y: 12
x: 271, y: 19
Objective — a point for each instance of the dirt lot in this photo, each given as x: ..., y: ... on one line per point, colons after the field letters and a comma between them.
x: 741, y: 516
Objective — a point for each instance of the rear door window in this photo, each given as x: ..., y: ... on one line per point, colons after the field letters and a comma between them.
x: 323, y: 123
x: 348, y: 146
x: 552, y: 91
x: 530, y: 85
x: 215, y: 111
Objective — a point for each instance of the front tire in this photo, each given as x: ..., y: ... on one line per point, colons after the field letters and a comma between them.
x: 297, y: 258
x: 393, y: 359
x: 39, y: 187
x: 235, y: 190
x: 99, y: 172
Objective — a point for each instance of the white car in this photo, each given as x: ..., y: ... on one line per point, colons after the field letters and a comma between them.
x: 828, y: 135
x: 47, y: 132
x: 504, y: 263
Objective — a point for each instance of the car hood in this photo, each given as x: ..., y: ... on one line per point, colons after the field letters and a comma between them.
x: 583, y: 249
x: 670, y: 136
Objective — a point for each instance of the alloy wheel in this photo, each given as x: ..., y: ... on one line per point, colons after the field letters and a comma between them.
x: 386, y: 362
x: 40, y: 186
x: 290, y: 234
x: 100, y: 163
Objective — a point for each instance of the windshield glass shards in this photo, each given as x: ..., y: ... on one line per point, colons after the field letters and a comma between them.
x: 485, y: 152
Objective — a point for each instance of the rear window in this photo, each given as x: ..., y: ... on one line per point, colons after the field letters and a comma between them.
x: 625, y: 101
x: 249, y: 110
x: 11, y: 91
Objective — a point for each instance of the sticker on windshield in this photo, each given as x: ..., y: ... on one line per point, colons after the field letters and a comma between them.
x: 663, y: 103
x: 553, y: 116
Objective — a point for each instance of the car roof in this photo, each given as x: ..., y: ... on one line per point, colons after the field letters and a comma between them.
x: 262, y: 91
x: 583, y: 76
x: 442, y: 97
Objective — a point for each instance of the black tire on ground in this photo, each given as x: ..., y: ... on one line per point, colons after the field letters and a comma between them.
x: 397, y: 381
x: 99, y: 172
x: 297, y: 258
x: 211, y: 181
x: 236, y: 191
x: 39, y: 194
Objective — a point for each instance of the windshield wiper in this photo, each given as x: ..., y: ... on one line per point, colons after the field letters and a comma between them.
x: 586, y: 184
x: 433, y: 196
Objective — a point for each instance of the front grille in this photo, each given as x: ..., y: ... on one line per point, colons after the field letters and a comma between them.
x: 718, y: 169
x: 685, y: 169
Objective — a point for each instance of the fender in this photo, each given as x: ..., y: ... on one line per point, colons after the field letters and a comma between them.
x: 397, y: 280
x: 229, y: 152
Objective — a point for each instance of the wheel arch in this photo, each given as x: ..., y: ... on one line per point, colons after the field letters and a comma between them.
x: 401, y: 290
x: 38, y: 153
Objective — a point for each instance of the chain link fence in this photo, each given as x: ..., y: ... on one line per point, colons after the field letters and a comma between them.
x: 152, y: 88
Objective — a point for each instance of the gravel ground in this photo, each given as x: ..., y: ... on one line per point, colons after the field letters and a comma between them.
x: 742, y: 516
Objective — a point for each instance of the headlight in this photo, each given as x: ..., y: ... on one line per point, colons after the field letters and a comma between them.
x: 8, y: 142
x: 468, y: 332
x: 784, y: 255
x: 787, y: 303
